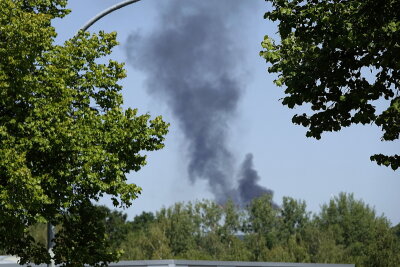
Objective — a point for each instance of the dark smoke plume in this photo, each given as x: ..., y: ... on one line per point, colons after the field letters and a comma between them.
x: 248, y: 187
x: 191, y: 62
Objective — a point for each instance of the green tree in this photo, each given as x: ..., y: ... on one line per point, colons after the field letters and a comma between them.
x: 232, y: 217
x: 345, y: 231
x: 39, y: 232
x: 396, y: 230
x: 321, y: 245
x: 142, y: 221
x: 234, y: 247
x: 261, y: 226
x: 219, y: 225
x: 83, y: 238
x: 292, y: 222
x: 178, y: 226
x: 65, y: 140
x: 325, y: 51
x: 294, y: 217
x: 116, y: 226
x: 149, y: 243
x: 367, y: 239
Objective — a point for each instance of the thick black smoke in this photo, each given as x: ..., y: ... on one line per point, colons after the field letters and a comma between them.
x: 191, y: 61
x: 248, y: 187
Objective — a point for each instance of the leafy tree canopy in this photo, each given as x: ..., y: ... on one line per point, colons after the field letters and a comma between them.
x: 339, y: 57
x: 346, y: 230
x: 142, y: 221
x: 367, y: 238
x: 396, y: 230
x: 65, y: 140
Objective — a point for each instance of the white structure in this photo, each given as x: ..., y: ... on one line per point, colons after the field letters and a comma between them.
x: 8, y: 259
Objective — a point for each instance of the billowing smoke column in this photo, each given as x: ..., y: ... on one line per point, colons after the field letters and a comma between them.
x: 248, y: 187
x: 190, y: 61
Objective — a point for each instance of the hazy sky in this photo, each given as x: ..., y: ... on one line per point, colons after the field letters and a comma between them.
x: 196, y: 63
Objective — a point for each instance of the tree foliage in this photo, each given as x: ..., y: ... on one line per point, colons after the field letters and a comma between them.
x: 339, y: 57
x: 346, y: 230
x: 65, y: 140
x: 366, y: 239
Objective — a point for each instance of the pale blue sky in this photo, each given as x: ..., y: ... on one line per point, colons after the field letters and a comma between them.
x: 289, y: 163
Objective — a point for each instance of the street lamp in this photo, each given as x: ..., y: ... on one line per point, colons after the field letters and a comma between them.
x: 50, y: 227
x: 106, y: 12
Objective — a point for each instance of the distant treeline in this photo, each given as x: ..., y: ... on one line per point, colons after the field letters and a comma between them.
x: 345, y: 230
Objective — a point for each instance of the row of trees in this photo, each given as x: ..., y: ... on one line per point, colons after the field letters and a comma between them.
x: 345, y: 230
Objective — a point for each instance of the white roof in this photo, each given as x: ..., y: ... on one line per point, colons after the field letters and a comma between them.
x: 8, y: 259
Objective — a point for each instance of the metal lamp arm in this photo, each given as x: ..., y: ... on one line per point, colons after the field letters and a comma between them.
x: 107, y: 11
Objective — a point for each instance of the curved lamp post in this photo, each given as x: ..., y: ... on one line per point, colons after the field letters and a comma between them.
x: 50, y: 227
x: 106, y: 12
